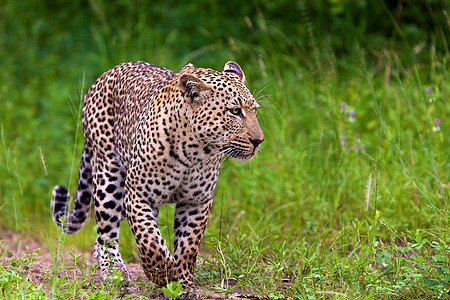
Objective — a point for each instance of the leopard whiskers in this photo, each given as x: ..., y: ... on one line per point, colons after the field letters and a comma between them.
x: 222, y: 152
x: 218, y: 142
x: 258, y: 96
x: 261, y: 97
x: 228, y: 157
x: 260, y: 91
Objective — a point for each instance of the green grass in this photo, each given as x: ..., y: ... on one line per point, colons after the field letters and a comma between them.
x: 307, y: 218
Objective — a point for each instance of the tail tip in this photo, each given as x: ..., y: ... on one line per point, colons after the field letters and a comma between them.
x: 60, y: 191
x: 58, y: 203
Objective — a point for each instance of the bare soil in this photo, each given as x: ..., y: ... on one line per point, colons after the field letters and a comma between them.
x: 41, y: 268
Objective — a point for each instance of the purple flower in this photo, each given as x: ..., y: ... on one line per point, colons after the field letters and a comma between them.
x: 121, y: 265
x: 342, y: 138
x: 428, y: 89
x: 343, y: 105
x: 351, y: 114
x: 436, y: 128
x: 355, y: 147
x: 363, y: 146
x: 357, y: 135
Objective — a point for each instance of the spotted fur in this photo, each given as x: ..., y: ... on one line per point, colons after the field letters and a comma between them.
x: 154, y: 136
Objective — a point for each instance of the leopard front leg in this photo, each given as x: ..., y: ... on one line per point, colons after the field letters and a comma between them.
x: 156, y: 259
x: 189, y: 224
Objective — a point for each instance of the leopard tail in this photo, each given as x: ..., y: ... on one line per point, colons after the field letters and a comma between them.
x: 80, y: 211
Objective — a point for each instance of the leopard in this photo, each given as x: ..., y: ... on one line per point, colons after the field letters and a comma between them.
x: 153, y: 136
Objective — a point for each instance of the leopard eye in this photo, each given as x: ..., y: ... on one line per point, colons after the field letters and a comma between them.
x: 237, y: 111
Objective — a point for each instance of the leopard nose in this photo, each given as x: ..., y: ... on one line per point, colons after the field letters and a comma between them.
x: 255, y: 142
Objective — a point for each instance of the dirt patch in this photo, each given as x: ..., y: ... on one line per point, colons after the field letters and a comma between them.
x: 40, y: 269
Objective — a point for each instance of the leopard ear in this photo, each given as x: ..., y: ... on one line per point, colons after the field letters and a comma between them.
x: 194, y: 88
x: 233, y: 67
x: 186, y: 68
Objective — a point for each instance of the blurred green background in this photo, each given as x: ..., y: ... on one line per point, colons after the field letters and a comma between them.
x: 303, y: 59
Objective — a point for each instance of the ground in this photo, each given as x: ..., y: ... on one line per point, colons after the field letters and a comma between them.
x: 40, y: 269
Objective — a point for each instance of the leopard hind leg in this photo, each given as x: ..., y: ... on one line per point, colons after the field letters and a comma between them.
x: 108, y: 194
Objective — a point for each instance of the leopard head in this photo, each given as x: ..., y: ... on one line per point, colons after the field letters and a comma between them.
x: 223, y: 110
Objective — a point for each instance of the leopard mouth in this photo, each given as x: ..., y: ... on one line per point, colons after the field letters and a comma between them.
x: 239, y: 152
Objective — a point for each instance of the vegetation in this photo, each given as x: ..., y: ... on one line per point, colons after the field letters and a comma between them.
x: 348, y: 196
